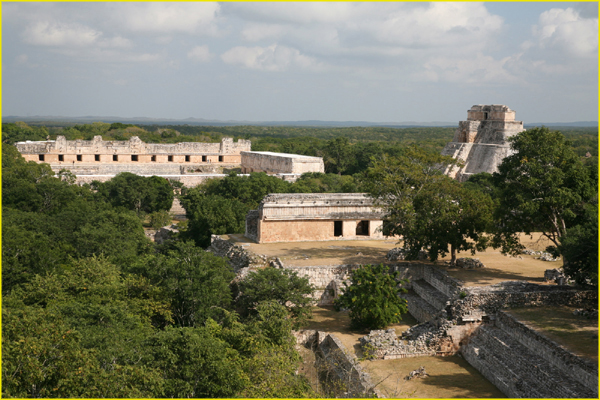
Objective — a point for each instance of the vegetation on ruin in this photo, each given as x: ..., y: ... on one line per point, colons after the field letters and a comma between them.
x: 373, y: 297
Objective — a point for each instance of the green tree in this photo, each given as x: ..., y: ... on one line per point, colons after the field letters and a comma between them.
x: 373, y: 297
x: 543, y: 187
x: 338, y: 155
x: 158, y: 219
x: 426, y: 208
x: 137, y: 193
x: 195, y: 281
x: 579, y: 247
x: 281, y: 285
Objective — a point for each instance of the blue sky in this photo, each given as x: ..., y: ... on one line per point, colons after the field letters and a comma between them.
x: 378, y: 62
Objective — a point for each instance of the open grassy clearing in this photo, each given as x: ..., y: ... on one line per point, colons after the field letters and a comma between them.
x: 576, y: 333
x: 449, y: 377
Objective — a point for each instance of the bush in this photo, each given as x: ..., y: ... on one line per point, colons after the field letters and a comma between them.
x: 373, y: 298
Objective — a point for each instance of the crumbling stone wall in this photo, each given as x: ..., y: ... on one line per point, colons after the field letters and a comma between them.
x: 339, y: 371
x: 514, y: 294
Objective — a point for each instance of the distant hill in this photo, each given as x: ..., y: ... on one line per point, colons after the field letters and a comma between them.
x: 56, y: 120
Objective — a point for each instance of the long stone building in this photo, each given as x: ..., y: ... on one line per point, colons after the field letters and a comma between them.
x: 191, y: 163
x: 64, y: 153
x: 480, y: 142
x: 308, y: 217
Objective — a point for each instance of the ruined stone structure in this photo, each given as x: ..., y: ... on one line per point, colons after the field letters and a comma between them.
x: 63, y: 153
x: 480, y: 142
x: 190, y: 163
x: 280, y: 163
x: 309, y: 217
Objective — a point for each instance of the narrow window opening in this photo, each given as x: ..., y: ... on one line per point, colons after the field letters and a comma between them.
x: 134, y: 157
x: 61, y: 157
x: 97, y: 157
x: 170, y: 158
x: 41, y: 157
x: 203, y: 158
x: 337, y: 228
x: 153, y: 158
x: 362, y: 228
x: 187, y: 158
x: 115, y: 157
x: 220, y: 158
x: 78, y: 157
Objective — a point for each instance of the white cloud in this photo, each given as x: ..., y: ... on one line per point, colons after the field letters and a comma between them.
x: 271, y: 58
x: 58, y: 34
x: 478, y: 69
x: 189, y: 17
x: 200, y: 53
x: 567, y: 31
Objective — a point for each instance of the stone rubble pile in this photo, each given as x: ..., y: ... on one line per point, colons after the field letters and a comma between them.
x: 586, y: 312
x: 425, y: 339
x: 540, y: 255
x: 417, y: 373
x: 555, y: 275
x: 469, y: 263
x: 398, y: 253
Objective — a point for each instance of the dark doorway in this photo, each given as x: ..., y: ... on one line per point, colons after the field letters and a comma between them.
x: 96, y: 157
x: 362, y: 228
x: 115, y: 157
x: 337, y: 228
x: 203, y: 158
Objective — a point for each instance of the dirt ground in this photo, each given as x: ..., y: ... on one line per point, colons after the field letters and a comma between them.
x: 498, y: 268
x: 449, y: 377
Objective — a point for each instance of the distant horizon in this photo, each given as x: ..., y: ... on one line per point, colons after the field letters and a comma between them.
x: 309, y: 122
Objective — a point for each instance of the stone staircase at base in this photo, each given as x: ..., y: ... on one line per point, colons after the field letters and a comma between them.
x: 517, y: 371
x: 425, y: 301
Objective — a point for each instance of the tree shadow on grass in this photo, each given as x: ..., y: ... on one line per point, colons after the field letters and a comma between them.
x: 469, y: 383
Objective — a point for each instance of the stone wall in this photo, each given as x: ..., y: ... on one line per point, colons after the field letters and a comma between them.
x: 514, y: 294
x: 339, y: 372
x: 274, y: 163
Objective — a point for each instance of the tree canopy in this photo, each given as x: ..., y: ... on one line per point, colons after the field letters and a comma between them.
x: 543, y: 187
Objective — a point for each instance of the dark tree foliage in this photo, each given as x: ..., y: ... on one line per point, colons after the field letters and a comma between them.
x: 195, y: 281
x: 373, y: 297
x: 543, y: 188
x: 280, y: 285
x: 137, y: 193
x: 20, y: 132
x: 426, y: 208
x: 579, y: 247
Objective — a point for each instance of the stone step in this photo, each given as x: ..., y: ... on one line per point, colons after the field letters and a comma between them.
x: 430, y: 294
x: 517, y: 371
x: 419, y: 308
